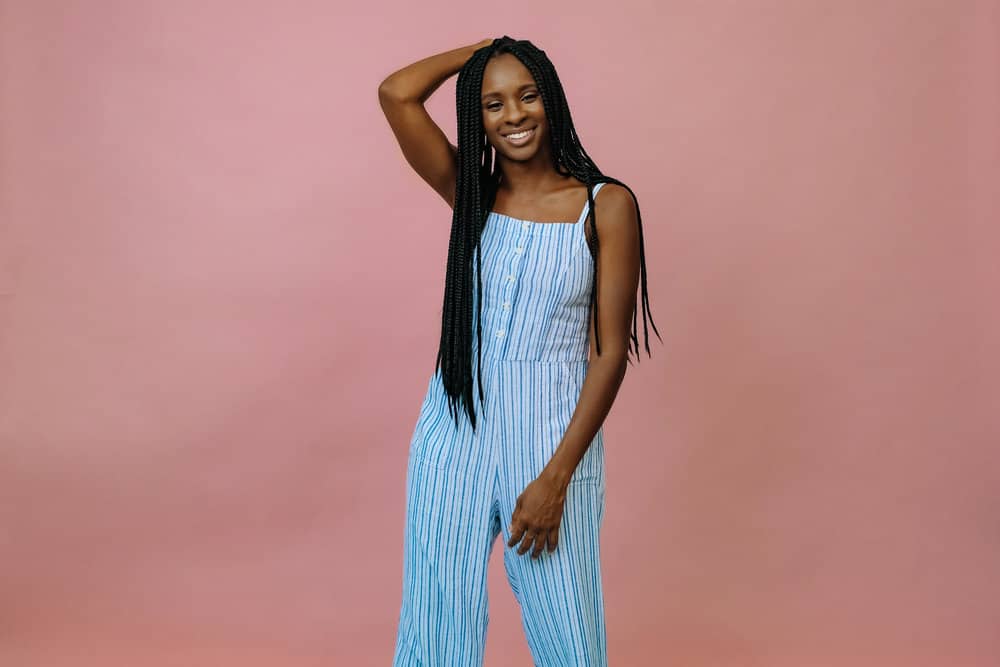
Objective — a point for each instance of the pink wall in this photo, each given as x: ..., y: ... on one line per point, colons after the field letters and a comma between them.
x: 219, y: 302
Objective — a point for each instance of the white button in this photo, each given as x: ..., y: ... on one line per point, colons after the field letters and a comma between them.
x: 527, y: 225
x: 506, y: 305
x: 500, y: 333
x: 510, y: 278
x: 518, y: 250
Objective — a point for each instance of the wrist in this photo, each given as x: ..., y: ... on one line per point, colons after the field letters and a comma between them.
x: 557, y: 475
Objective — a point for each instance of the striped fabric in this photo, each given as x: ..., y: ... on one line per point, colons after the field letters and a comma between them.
x: 461, y: 486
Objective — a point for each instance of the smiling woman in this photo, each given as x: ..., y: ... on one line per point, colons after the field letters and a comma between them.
x: 520, y: 316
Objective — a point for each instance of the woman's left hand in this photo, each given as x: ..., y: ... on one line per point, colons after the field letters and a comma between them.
x: 537, y: 515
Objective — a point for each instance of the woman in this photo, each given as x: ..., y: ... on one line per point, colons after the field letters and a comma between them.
x: 520, y: 319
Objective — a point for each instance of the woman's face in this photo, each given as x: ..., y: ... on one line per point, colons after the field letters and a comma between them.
x: 512, y: 103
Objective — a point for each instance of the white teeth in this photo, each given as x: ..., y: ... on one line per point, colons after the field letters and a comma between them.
x: 519, y: 135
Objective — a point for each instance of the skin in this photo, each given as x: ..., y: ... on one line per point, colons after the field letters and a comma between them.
x: 531, y: 189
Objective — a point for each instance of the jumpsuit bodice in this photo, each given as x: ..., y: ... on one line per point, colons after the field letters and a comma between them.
x: 536, y: 286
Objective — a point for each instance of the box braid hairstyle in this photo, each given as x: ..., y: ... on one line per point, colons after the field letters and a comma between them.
x: 475, y: 193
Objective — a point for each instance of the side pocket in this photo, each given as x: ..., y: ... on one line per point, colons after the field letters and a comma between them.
x: 431, y: 443
x: 591, y: 466
x: 418, y: 437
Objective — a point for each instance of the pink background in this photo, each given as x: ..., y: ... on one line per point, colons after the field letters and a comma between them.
x: 220, y: 295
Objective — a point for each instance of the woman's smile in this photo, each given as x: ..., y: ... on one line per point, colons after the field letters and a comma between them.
x: 520, y: 138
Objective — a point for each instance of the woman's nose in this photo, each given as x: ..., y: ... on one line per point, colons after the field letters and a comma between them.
x: 515, y: 116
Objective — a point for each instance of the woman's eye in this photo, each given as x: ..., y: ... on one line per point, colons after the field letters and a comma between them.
x: 495, y: 106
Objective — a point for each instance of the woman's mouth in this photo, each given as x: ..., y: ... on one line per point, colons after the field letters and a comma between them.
x: 520, y: 138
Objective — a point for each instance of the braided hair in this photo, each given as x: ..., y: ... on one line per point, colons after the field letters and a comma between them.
x: 475, y: 193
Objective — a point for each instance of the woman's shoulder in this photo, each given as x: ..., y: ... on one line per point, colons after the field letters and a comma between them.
x: 613, y: 196
x: 615, y: 200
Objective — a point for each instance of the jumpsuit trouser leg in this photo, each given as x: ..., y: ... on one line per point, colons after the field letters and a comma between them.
x: 450, y: 531
x: 559, y: 593
x: 452, y: 521
x: 461, y: 493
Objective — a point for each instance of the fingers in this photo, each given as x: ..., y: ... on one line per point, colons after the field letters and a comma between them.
x: 529, y: 542
x: 539, y: 546
x: 516, y: 530
x: 531, y: 533
x: 553, y: 539
x: 520, y: 531
x: 533, y: 539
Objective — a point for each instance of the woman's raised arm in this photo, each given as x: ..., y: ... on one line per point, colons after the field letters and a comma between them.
x: 402, y: 95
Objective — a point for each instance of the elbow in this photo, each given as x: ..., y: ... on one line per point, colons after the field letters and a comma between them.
x: 616, y: 360
x: 387, y: 91
x: 384, y: 90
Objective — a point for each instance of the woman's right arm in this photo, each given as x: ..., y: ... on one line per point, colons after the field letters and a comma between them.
x: 402, y: 95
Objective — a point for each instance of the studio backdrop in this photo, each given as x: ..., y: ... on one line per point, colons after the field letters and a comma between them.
x: 220, y: 300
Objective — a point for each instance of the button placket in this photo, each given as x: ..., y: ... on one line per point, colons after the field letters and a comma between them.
x: 511, y: 279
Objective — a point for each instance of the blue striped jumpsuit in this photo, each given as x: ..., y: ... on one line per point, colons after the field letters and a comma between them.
x: 462, y: 485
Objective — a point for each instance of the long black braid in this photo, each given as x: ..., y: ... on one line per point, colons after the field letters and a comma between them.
x: 475, y: 193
